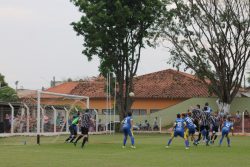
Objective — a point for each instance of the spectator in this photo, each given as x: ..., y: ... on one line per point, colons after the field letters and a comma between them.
x: 208, y: 109
x: 238, y: 115
x: 155, y: 127
x: 7, y: 123
x: 145, y: 125
x: 62, y: 124
x: 246, y: 114
x: 46, y: 122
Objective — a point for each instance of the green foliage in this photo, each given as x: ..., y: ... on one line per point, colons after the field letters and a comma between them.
x: 7, y: 94
x: 116, y: 31
x: 212, y: 39
x: 2, y: 81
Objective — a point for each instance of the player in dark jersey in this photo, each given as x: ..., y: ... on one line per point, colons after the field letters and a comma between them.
x: 196, y: 115
x: 215, y: 127
x: 85, y: 123
x: 205, y: 119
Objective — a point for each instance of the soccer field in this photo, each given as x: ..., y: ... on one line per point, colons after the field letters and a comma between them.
x: 106, y: 151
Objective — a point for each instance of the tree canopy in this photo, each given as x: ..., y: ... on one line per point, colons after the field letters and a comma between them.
x: 2, y: 81
x: 7, y: 94
x: 212, y: 38
x: 116, y: 31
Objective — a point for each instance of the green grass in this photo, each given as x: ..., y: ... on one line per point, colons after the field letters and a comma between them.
x: 106, y: 151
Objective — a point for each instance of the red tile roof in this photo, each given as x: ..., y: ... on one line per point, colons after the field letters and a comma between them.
x: 162, y: 84
x: 169, y: 84
x: 64, y: 88
x: 93, y: 88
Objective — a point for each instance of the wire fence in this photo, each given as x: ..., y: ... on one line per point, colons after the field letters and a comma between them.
x: 22, y: 120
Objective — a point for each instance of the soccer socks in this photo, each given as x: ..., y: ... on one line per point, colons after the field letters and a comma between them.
x: 72, y: 139
x: 228, y: 141
x: 215, y: 137
x: 186, y: 143
x: 169, y: 142
x: 85, y: 139
x: 199, y: 138
x: 124, y: 141
x: 68, y: 139
x: 221, y: 140
x: 79, y: 137
x: 132, y: 140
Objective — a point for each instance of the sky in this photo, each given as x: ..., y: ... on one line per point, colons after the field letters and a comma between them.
x: 37, y: 43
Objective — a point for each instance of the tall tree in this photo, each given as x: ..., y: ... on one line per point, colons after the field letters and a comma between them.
x: 212, y: 37
x: 2, y: 81
x: 7, y: 94
x: 116, y: 31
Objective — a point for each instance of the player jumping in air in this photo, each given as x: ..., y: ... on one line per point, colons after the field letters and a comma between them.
x: 128, y: 130
x: 85, y: 123
x: 227, y: 127
x: 205, y: 120
x: 73, y: 128
x: 179, y: 126
x: 215, y: 127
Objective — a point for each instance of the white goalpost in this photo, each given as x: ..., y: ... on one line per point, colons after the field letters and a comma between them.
x: 40, y: 110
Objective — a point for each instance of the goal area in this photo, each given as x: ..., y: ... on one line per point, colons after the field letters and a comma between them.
x: 41, y: 114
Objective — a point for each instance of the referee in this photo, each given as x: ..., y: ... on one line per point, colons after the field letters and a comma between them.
x: 85, y: 123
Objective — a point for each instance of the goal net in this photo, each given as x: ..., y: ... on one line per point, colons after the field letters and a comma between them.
x: 43, y: 118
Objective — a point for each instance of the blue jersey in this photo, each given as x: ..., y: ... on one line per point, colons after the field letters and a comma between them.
x: 127, y: 122
x: 189, y: 123
x: 227, y: 126
x: 179, y: 124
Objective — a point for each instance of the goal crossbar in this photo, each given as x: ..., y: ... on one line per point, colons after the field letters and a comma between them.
x: 56, y: 94
x: 65, y: 95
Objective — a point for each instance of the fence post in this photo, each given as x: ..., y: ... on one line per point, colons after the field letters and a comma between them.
x: 55, y: 115
x: 12, y: 118
x: 243, y: 122
x: 67, y: 118
x: 160, y: 125
x: 28, y: 118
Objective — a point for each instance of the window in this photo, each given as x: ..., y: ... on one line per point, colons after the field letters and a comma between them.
x: 154, y: 110
x: 135, y: 112
x: 92, y: 111
x: 107, y: 111
x: 139, y: 111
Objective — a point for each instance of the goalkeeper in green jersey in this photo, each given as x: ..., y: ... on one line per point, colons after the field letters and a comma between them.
x: 73, y: 129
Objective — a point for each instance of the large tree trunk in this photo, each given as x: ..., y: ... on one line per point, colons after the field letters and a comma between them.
x: 223, y: 107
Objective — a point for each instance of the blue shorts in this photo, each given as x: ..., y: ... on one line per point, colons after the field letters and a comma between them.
x: 73, y: 129
x: 191, y: 130
x: 127, y: 131
x: 179, y: 133
x: 225, y: 131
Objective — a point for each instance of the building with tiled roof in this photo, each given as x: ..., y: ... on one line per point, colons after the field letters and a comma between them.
x: 153, y: 91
